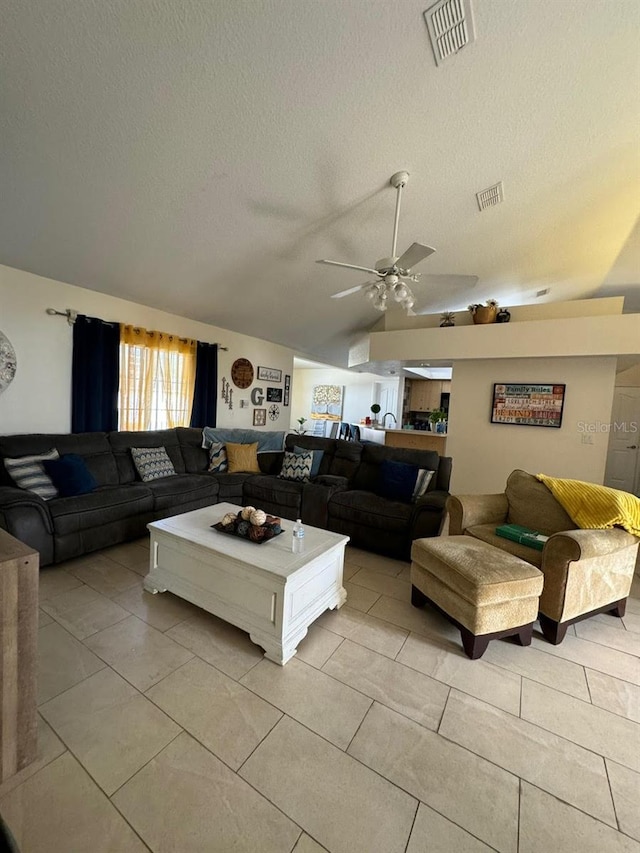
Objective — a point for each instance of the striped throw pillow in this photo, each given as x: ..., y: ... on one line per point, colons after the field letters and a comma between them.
x: 422, y: 483
x: 27, y: 472
x: 218, y: 458
x: 152, y: 463
x: 297, y: 467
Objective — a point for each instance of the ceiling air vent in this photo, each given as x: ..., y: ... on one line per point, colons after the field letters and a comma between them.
x: 450, y: 25
x: 491, y: 196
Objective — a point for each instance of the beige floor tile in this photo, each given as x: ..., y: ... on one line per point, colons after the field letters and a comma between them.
x: 306, y: 844
x: 132, y: 555
x: 349, y: 570
x: 161, y: 611
x: 321, y: 703
x: 60, y: 808
x: 83, y: 611
x: 552, y: 763
x: 49, y: 747
x: 360, y: 598
x: 535, y: 664
x: 383, y: 584
x: 619, y: 697
x: 605, y: 635
x: 392, y: 684
x: 548, y: 824
x: 631, y: 622
x: 43, y: 618
x: 62, y: 662
x: 445, y: 662
x: 405, y: 574
x: 103, y: 574
x: 625, y: 787
x: 223, y: 715
x: 375, y: 634
x: 54, y: 580
x: 111, y: 728
x: 606, y: 619
x: 594, y: 728
x: 422, y: 620
x: 593, y: 655
x: 318, y: 646
x: 344, y: 806
x: 138, y: 652
x: 219, y: 643
x: 433, y: 833
x: 462, y: 786
x: 375, y: 562
x: 217, y: 809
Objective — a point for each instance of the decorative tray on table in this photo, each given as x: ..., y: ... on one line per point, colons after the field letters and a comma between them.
x: 250, y: 523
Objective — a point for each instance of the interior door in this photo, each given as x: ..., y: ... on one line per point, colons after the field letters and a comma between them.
x: 623, y: 457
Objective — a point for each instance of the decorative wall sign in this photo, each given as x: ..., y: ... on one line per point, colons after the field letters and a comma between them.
x: 259, y: 417
x: 287, y: 388
x: 269, y: 374
x: 326, y: 403
x: 242, y: 372
x: 274, y: 395
x: 274, y: 412
x: 526, y: 404
x: 227, y: 392
x: 8, y: 362
x: 257, y: 396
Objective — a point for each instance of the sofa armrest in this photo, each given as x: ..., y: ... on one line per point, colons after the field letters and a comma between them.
x: 26, y: 516
x: 428, y: 512
x: 586, y: 569
x: 468, y: 510
x: 316, y: 496
x: 336, y: 482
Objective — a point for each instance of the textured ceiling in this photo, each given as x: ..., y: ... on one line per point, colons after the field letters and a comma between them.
x: 199, y: 156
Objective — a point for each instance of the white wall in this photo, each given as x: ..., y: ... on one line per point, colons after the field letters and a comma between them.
x: 484, y: 454
x: 39, y: 398
x: 360, y: 391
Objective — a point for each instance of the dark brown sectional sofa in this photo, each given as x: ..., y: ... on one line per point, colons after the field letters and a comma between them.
x: 341, y: 498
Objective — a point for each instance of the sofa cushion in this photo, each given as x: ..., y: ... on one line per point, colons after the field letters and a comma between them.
x: 370, y: 510
x: 230, y: 485
x: 182, y: 489
x: 70, y: 475
x: 102, y: 507
x: 266, y: 489
x: 345, y: 461
x: 122, y: 442
x: 194, y: 455
x: 373, y: 456
x: 94, y: 448
x: 152, y: 463
x: 532, y: 505
x: 28, y: 472
x: 487, y: 533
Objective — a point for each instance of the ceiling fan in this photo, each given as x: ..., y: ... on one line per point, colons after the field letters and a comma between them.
x: 391, y: 273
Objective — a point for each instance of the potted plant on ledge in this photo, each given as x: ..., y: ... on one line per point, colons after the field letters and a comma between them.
x: 376, y: 411
x: 438, y: 421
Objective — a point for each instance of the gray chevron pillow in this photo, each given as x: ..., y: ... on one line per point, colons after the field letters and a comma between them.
x: 152, y: 463
x: 297, y: 467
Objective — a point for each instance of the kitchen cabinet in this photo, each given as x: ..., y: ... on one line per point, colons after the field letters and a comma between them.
x: 425, y: 394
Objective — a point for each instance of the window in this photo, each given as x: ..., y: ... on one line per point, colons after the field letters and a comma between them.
x: 157, y: 378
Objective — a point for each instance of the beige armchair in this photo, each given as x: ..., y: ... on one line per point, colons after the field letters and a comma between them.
x: 585, y: 571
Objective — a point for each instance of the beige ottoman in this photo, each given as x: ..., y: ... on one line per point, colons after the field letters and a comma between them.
x: 486, y: 593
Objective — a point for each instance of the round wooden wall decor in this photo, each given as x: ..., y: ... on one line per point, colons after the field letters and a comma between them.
x: 242, y: 372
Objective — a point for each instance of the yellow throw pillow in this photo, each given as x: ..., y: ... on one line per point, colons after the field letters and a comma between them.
x: 243, y: 457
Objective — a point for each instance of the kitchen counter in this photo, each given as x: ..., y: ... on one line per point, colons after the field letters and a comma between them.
x: 412, y: 438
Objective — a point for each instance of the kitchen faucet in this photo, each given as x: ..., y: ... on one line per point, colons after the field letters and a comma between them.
x: 392, y: 415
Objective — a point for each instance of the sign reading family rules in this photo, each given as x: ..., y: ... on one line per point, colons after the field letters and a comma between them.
x: 528, y: 404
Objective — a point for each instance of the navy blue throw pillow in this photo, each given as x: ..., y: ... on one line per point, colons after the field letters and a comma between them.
x: 317, y: 459
x: 397, y: 480
x: 70, y: 475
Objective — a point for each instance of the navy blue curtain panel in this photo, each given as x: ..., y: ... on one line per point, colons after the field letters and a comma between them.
x: 205, y: 393
x: 94, y: 375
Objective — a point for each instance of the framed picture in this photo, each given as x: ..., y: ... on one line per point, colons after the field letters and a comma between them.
x: 526, y: 404
x: 259, y: 417
x: 274, y: 395
x: 326, y: 403
x: 269, y: 374
x: 287, y: 389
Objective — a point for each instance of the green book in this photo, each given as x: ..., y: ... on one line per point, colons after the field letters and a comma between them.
x: 523, y: 535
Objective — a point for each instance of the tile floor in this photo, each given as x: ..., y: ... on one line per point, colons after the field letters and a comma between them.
x: 164, y: 729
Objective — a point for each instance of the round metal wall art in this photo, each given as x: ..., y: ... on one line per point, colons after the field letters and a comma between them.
x: 8, y: 362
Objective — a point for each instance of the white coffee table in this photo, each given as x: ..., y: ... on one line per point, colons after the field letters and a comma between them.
x: 265, y: 589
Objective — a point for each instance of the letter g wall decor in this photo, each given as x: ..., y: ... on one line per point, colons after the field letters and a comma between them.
x: 257, y: 396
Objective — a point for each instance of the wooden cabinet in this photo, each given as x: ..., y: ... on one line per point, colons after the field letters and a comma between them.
x: 425, y: 394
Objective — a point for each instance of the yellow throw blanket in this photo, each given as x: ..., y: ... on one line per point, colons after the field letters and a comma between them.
x: 595, y: 507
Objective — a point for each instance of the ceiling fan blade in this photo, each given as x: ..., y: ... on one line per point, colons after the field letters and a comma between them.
x: 414, y: 254
x: 349, y: 266
x: 351, y: 290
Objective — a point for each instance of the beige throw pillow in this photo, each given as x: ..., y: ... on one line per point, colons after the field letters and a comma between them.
x: 243, y: 457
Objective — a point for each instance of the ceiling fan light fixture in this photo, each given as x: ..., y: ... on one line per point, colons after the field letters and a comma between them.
x: 400, y: 291
x: 380, y: 301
